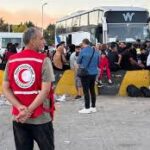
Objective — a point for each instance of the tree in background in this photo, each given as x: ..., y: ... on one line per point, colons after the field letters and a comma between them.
x: 29, y: 24
x: 4, y: 27
x: 22, y: 26
x: 49, y: 34
x: 19, y: 28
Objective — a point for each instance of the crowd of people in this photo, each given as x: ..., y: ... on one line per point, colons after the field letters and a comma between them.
x: 29, y: 77
x: 112, y: 57
x: 10, y: 50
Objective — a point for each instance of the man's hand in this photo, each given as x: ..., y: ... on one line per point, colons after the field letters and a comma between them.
x: 141, y: 65
x: 117, y: 63
x: 23, y: 115
x: 21, y: 108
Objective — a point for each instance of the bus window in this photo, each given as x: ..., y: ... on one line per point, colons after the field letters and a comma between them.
x: 58, y: 26
x: 93, y: 18
x: 76, y: 21
x: 5, y: 41
x: 62, y: 26
x: 100, y: 17
x: 84, y: 20
x: 68, y: 23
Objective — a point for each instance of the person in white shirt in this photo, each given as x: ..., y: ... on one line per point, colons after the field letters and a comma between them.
x: 74, y: 66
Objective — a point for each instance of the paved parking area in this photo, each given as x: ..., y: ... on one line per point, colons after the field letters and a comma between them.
x: 121, y: 123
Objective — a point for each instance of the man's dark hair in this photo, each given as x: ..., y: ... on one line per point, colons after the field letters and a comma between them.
x: 77, y: 46
x: 29, y: 34
x: 103, y: 53
x: 86, y: 41
x: 113, y: 45
x: 16, y: 44
x: 138, y: 40
x: 128, y: 45
x: 61, y: 43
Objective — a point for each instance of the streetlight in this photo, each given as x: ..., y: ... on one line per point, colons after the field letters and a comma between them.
x: 42, y: 15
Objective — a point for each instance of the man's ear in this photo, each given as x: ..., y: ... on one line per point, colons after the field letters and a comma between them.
x: 32, y: 41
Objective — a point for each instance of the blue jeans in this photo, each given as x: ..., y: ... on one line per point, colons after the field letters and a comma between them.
x: 25, y: 134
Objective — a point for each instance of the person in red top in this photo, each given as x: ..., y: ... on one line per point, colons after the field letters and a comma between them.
x: 104, y: 65
x: 27, y: 86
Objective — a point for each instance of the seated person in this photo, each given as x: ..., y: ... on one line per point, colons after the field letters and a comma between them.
x: 104, y: 65
x: 129, y: 59
x: 114, y: 58
x: 144, y: 54
x: 121, y: 47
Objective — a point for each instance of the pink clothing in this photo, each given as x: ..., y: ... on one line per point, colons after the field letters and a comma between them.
x: 104, y: 64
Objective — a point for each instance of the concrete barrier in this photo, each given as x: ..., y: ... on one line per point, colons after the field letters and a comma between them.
x: 1, y: 80
x: 66, y: 84
x: 138, y: 78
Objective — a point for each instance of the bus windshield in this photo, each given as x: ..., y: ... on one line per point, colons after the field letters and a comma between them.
x: 128, y: 32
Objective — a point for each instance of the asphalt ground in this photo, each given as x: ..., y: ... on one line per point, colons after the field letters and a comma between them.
x: 120, y: 123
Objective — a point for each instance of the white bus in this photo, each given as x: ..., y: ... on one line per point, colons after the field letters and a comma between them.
x: 10, y: 37
x: 104, y: 25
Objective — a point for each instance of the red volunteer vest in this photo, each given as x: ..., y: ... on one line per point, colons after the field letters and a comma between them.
x: 25, y: 78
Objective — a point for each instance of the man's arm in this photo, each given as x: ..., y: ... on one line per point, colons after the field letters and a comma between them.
x: 72, y: 61
x: 119, y: 59
x: 47, y: 78
x: 63, y: 58
x: 40, y: 97
x: 133, y: 62
x: 8, y: 92
x: 10, y: 96
x: 79, y: 60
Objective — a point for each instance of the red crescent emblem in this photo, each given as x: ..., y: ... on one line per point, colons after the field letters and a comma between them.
x: 20, y: 76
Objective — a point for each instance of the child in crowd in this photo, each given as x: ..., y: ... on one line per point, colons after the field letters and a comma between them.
x: 104, y: 65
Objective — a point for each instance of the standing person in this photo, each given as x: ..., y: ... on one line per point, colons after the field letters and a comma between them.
x: 11, y: 50
x: 27, y: 81
x: 18, y: 47
x: 74, y: 66
x: 88, y: 82
x: 59, y: 60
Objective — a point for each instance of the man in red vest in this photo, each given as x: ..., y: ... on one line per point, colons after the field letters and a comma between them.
x: 27, y: 82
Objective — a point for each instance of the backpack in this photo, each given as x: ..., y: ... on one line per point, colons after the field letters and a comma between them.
x: 133, y: 91
x: 145, y: 91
